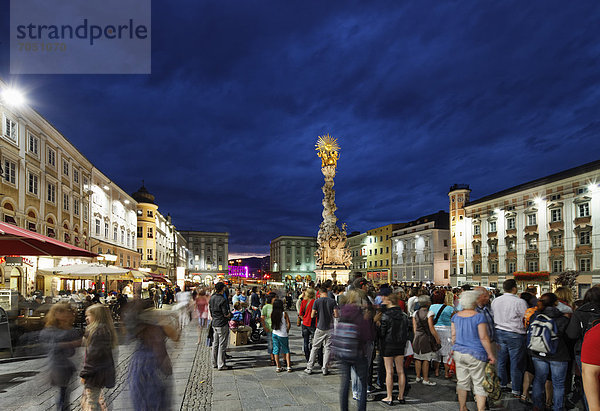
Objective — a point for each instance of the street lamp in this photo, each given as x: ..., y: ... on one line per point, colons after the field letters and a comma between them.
x: 13, y: 97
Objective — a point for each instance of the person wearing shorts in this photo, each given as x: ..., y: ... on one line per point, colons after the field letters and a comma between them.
x: 281, y: 327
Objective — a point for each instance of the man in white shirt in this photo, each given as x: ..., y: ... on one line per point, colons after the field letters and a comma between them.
x: 508, y: 311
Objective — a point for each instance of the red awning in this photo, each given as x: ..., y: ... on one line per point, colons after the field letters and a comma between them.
x: 18, y: 241
x: 159, y: 278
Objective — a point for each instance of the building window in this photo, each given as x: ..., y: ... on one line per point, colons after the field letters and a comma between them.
x: 511, y: 267
x: 150, y: 233
x: 33, y: 144
x: 76, y: 176
x: 381, y: 250
x: 97, y: 223
x: 105, y: 229
x: 557, y: 240
x: 446, y: 256
x: 66, y: 201
x: 149, y: 213
x: 445, y: 274
x: 584, y: 237
x: 115, y: 233
x: 445, y: 243
x: 32, y: 183
x: 583, y: 210
x: 122, y: 236
x: 387, y: 249
x: 555, y: 215
x: 460, y: 251
x: 375, y: 251
x: 375, y: 263
x: 370, y: 263
x: 493, y: 268
x: 10, y: 130
x: 85, y: 211
x: 585, y: 264
x: 52, y: 157
x: 477, y: 229
x: 140, y: 232
x: 476, y: 249
x: 150, y: 253
x: 510, y: 223
x: 75, y: 206
x: 477, y: 268
x: 492, y: 226
x: 531, y: 219
x: 86, y: 183
x: 510, y: 245
x: 461, y: 270
x: 493, y: 247
x: 10, y: 172
x: 532, y: 265
x: 65, y: 168
x: 557, y: 266
x: 532, y: 244
x: 51, y: 193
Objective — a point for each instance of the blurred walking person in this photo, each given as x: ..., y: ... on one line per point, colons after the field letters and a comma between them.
x: 60, y: 339
x: 98, y: 366
x: 150, y: 368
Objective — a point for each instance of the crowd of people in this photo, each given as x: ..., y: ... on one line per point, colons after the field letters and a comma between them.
x: 540, y: 350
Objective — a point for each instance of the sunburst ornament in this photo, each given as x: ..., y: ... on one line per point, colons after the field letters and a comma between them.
x: 328, y: 149
x: 327, y: 143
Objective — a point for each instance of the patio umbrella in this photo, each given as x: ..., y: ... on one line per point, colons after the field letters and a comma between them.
x: 139, y: 275
x: 18, y: 241
x: 85, y: 270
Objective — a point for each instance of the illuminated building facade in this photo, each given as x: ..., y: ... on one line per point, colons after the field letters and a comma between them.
x: 208, y: 254
x: 293, y: 256
x: 533, y: 231
x: 357, y: 243
x: 113, y: 221
x: 42, y: 187
x: 379, y: 257
x: 421, y: 250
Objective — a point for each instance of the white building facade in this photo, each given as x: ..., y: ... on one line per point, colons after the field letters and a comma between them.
x: 533, y: 231
x: 293, y: 256
x: 421, y: 250
x: 113, y: 220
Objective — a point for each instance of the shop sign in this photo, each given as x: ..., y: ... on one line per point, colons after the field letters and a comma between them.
x: 14, y: 261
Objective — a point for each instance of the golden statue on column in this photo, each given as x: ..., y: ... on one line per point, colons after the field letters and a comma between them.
x: 333, y: 258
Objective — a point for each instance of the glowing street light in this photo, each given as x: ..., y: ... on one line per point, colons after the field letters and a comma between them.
x: 13, y: 97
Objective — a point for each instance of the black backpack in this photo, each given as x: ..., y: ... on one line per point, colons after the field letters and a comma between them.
x: 592, y: 321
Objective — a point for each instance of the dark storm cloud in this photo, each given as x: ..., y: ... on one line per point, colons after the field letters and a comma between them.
x: 421, y: 94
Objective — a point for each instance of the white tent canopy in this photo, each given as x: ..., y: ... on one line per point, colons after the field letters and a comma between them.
x: 85, y: 270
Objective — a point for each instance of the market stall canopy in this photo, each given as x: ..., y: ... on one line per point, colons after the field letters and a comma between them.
x: 18, y: 241
x: 139, y: 275
x: 158, y: 278
x: 85, y: 270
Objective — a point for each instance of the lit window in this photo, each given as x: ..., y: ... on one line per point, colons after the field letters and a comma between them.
x: 477, y: 229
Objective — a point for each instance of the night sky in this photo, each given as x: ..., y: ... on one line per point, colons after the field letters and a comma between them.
x: 420, y: 94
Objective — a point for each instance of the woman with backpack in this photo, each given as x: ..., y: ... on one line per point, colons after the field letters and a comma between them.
x: 549, y: 352
x: 393, y: 336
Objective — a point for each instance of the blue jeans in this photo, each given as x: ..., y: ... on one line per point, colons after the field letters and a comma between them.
x: 559, y: 374
x: 511, y: 346
x: 360, y: 366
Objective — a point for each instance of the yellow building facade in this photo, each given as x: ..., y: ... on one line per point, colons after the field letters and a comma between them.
x: 379, y: 253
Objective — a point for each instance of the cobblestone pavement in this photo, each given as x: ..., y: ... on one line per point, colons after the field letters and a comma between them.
x: 23, y: 385
x: 253, y: 384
